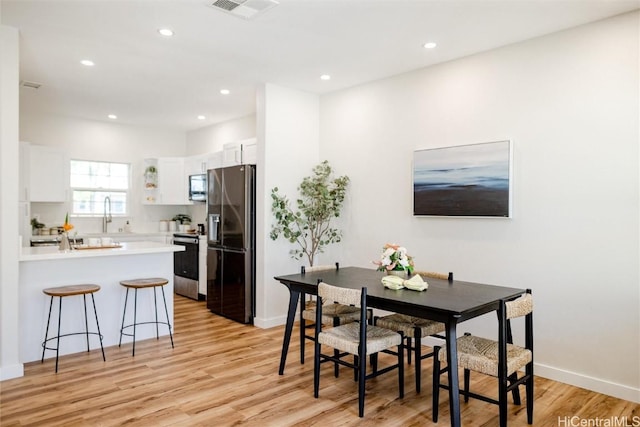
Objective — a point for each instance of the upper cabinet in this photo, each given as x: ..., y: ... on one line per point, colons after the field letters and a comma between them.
x: 48, y: 174
x: 195, y: 165
x: 231, y: 154
x: 239, y: 153
x: 165, y: 181
x: 215, y: 160
x: 249, y: 151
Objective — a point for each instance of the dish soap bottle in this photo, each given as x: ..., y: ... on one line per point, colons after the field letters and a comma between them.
x: 127, y: 227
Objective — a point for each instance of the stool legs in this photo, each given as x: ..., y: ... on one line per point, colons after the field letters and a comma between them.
x: 135, y: 318
x: 95, y: 311
x: 166, y: 312
x: 86, y: 332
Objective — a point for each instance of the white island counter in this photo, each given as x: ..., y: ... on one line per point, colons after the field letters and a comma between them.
x: 45, y: 267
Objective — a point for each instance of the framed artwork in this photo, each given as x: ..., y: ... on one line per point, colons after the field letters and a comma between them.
x: 463, y: 181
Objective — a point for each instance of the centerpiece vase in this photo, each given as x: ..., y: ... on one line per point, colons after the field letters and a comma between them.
x: 64, y: 243
x: 399, y: 273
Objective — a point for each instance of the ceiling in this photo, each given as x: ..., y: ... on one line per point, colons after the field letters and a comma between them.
x: 150, y: 80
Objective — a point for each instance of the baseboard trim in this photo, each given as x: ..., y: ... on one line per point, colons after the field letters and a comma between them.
x: 271, y: 322
x: 620, y: 391
x: 13, y: 371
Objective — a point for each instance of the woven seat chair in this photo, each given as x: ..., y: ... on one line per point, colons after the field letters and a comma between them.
x: 359, y: 339
x: 483, y: 355
x: 416, y: 328
x: 333, y: 314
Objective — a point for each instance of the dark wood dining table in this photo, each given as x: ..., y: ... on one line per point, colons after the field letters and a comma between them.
x: 449, y: 302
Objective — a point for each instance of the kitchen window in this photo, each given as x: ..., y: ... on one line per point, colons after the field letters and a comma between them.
x: 92, y: 182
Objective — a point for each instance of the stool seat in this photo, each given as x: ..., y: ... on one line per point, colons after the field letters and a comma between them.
x: 144, y: 283
x: 67, y: 291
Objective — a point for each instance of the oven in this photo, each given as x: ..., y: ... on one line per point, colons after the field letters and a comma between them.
x: 186, y: 265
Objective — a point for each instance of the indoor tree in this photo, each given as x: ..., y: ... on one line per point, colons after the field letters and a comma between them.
x: 320, y: 200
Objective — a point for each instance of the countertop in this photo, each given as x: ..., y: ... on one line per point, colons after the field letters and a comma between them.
x: 127, y: 248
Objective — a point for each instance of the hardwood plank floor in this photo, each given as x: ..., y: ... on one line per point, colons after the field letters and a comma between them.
x: 222, y: 373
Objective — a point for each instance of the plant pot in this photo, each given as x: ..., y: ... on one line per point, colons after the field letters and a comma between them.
x: 399, y: 273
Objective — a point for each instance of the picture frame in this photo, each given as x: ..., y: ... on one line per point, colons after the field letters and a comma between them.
x: 473, y: 180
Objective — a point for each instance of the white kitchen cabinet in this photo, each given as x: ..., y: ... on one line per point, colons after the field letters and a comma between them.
x: 172, y: 182
x: 249, y: 152
x: 48, y: 174
x: 231, y: 154
x: 196, y: 164
x: 214, y: 160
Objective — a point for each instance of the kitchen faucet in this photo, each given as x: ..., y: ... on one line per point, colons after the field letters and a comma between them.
x: 106, y: 218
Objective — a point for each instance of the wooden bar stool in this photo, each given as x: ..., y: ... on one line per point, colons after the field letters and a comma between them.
x: 136, y: 284
x: 68, y: 291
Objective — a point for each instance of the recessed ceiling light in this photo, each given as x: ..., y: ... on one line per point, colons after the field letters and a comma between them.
x: 325, y: 77
x: 87, y: 63
x: 165, y: 32
x: 225, y: 91
x: 112, y: 116
x: 429, y: 45
x: 201, y: 117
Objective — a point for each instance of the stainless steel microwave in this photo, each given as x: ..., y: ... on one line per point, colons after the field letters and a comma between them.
x: 198, y: 188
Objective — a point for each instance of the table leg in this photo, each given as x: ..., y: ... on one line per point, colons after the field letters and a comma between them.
x: 293, y: 304
x: 452, y: 373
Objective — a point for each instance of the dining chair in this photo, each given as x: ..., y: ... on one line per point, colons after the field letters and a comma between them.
x: 357, y: 338
x: 333, y: 314
x: 492, y: 358
x: 416, y: 328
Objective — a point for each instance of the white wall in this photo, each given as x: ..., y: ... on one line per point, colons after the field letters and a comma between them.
x: 210, y: 139
x: 288, y: 135
x: 95, y: 140
x: 569, y: 102
x: 10, y: 366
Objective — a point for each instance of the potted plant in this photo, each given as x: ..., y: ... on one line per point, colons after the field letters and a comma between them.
x: 183, y: 221
x: 320, y: 200
x: 151, y: 177
x: 36, y: 226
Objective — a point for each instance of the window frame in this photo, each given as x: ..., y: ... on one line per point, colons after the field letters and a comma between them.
x: 111, y: 191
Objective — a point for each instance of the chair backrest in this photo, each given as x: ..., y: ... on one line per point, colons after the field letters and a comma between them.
x: 519, y: 307
x: 435, y: 275
x: 304, y: 269
x: 340, y: 295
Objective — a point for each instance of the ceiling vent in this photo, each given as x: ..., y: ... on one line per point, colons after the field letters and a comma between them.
x: 245, y: 9
x: 31, y: 85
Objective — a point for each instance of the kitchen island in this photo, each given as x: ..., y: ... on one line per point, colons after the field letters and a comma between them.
x: 45, y: 267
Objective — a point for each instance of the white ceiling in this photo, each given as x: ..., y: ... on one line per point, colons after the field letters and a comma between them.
x: 149, y: 80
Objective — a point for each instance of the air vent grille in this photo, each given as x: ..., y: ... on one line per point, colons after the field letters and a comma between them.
x: 227, y: 5
x: 246, y: 9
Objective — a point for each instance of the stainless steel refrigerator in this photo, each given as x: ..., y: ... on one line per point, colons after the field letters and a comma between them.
x: 231, y: 242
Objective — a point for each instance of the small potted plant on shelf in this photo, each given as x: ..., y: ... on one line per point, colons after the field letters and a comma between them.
x: 151, y: 177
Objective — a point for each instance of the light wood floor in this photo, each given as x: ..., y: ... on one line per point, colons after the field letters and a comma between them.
x: 222, y: 373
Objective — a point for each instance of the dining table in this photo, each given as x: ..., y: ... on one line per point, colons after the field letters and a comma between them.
x: 446, y: 301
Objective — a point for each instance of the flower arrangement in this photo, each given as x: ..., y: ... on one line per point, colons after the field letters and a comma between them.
x: 395, y: 258
x: 67, y: 225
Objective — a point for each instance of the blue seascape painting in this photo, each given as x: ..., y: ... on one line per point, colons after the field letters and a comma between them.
x: 467, y: 180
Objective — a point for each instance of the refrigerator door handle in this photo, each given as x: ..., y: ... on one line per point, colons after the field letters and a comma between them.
x: 214, y: 226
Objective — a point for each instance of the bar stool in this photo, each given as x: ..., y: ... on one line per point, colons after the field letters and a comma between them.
x: 136, y: 284
x: 68, y: 291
